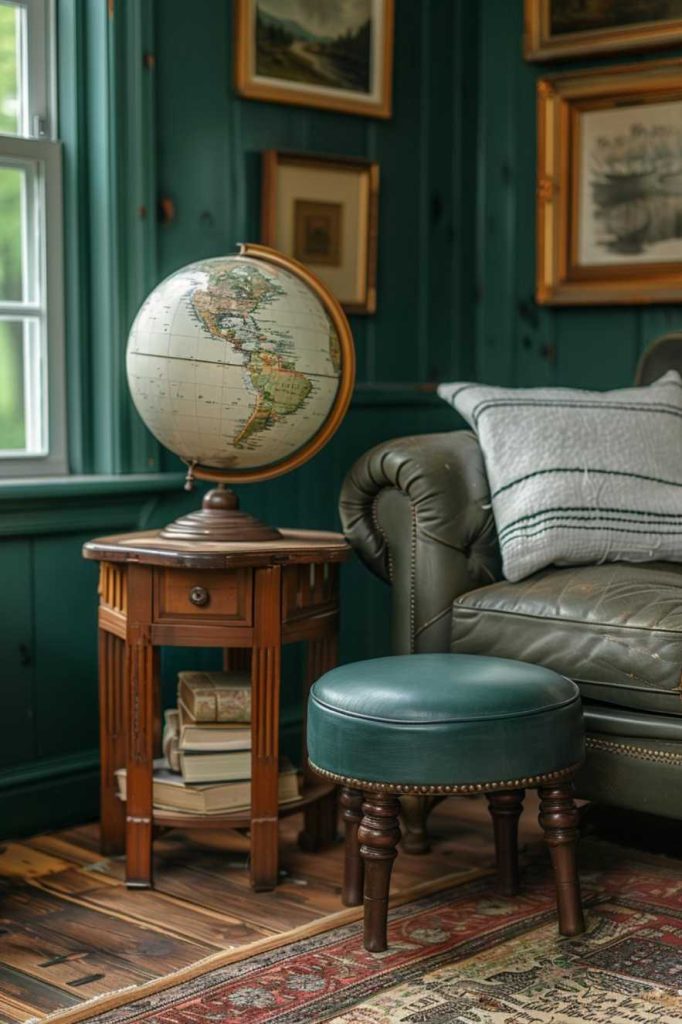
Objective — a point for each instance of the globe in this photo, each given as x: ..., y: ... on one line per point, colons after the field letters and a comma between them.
x: 242, y: 366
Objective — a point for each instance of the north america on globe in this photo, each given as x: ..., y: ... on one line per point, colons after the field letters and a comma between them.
x: 233, y: 363
x: 229, y: 306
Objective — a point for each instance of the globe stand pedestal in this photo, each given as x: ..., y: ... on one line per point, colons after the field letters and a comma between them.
x: 219, y: 519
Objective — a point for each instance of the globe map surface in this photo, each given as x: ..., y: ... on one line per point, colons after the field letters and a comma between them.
x: 233, y: 363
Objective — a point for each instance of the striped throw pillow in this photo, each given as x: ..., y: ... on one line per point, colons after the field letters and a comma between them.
x: 580, y: 477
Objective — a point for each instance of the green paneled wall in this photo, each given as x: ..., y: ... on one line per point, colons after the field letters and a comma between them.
x: 455, y: 298
x: 16, y: 643
x: 208, y: 160
x: 48, y: 621
x: 179, y: 131
x: 518, y: 342
x: 209, y: 145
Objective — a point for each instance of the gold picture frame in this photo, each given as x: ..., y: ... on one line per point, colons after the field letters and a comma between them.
x: 596, y: 29
x: 323, y: 211
x: 609, y: 186
x: 316, y: 56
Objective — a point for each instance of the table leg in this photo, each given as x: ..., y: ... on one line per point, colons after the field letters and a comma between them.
x: 142, y: 664
x: 320, y: 818
x: 112, y: 733
x: 265, y: 686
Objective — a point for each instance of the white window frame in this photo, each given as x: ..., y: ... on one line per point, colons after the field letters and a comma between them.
x: 37, y: 151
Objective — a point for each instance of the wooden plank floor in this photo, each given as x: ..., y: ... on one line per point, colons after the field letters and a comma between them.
x: 71, y: 930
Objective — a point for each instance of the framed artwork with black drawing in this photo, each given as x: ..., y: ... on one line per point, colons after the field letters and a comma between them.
x: 334, y: 54
x: 609, y: 191
x: 573, y: 28
x: 323, y: 211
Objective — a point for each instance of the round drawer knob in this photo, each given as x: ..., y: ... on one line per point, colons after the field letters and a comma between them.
x: 199, y: 596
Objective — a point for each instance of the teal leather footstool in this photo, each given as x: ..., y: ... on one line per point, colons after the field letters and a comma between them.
x: 439, y: 724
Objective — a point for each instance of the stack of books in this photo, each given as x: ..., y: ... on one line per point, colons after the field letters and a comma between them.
x: 207, y: 738
x: 207, y: 746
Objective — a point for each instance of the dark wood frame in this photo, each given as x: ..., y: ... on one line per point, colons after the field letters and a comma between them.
x: 540, y: 44
x: 560, y: 102
x: 273, y: 159
x: 279, y: 93
x: 259, y: 597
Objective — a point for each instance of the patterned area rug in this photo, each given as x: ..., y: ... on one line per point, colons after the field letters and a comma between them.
x: 465, y: 955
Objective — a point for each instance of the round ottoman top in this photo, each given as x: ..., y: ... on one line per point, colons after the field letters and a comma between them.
x: 442, y: 688
x: 444, y: 720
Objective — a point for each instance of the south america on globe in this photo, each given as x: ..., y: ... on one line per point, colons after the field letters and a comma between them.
x: 234, y: 363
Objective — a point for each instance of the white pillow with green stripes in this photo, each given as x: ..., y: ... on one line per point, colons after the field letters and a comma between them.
x: 580, y: 477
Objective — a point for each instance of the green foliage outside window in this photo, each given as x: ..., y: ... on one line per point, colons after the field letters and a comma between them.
x: 12, y: 430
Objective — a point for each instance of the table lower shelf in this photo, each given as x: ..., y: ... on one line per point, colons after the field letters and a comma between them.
x: 238, y: 819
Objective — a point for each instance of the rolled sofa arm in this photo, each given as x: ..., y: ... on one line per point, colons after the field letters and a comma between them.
x: 417, y: 511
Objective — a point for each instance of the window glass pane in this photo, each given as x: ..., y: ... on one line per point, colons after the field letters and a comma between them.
x: 12, y: 229
x: 11, y: 85
x: 12, y: 390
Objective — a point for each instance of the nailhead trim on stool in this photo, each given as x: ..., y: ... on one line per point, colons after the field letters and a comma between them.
x: 530, y: 782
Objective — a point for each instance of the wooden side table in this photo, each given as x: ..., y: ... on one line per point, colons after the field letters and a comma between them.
x: 247, y: 598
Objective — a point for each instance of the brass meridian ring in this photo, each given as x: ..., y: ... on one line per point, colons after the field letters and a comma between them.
x: 406, y: 789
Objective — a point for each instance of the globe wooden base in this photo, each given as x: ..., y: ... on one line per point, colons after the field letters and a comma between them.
x: 219, y: 519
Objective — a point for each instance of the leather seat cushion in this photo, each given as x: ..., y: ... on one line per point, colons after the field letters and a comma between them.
x: 439, y: 719
x: 615, y: 629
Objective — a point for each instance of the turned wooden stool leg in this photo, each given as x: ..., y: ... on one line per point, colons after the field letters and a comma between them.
x: 559, y: 819
x: 414, y: 815
x: 505, y: 808
x: 353, y: 865
x: 378, y: 834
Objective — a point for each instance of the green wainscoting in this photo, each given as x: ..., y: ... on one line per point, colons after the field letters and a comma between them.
x: 170, y: 125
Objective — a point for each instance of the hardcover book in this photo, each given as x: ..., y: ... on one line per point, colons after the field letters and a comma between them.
x: 216, y: 696
x: 222, y: 766
x: 171, y: 738
x: 208, y: 753
x: 204, y: 737
x: 171, y: 793
x: 183, y: 733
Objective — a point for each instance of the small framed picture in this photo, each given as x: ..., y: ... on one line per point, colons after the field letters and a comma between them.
x: 609, y: 191
x: 334, y: 54
x: 323, y: 211
x: 577, y: 28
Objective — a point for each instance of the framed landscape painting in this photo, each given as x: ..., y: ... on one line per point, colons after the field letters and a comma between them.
x: 323, y: 211
x: 571, y: 28
x: 334, y: 54
x: 609, y: 190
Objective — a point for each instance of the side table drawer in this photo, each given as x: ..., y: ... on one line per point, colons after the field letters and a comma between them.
x: 190, y: 594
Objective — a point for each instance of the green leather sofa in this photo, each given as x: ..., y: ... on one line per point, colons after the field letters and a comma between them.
x: 417, y: 511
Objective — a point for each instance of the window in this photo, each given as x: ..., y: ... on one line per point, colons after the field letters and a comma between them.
x: 32, y: 404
